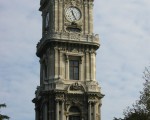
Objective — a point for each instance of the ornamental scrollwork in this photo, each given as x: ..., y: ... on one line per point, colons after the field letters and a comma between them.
x: 76, y: 87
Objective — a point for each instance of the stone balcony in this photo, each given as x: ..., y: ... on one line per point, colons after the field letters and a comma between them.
x: 70, y: 37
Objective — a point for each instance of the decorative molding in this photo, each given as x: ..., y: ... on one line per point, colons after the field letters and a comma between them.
x: 73, y: 2
x: 76, y: 87
x: 75, y: 50
x: 68, y: 37
x: 75, y: 53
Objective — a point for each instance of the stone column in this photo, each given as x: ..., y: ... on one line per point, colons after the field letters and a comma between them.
x: 57, y: 110
x: 89, y: 111
x: 62, y: 111
x: 94, y: 111
x: 92, y: 64
x: 67, y: 117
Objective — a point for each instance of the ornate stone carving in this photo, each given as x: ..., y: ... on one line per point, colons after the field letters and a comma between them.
x: 59, y: 97
x: 76, y: 87
x: 74, y: 37
x: 73, y: 2
x: 75, y: 50
x: 74, y: 99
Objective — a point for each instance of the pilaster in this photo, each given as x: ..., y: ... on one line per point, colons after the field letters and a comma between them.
x: 89, y: 111
x: 56, y: 62
x: 62, y: 110
x: 93, y: 66
x: 85, y: 17
x: 56, y: 15
x: 90, y: 17
x: 87, y: 66
x: 57, y: 110
x: 94, y: 111
x: 67, y: 68
x: 61, y: 66
x: 60, y: 15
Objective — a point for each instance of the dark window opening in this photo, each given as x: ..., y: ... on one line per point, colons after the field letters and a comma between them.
x: 74, y: 109
x: 74, y: 117
x: 74, y: 69
x: 45, y: 71
x: 74, y: 113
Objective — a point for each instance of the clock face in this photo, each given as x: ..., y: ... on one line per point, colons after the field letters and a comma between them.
x: 73, y: 14
x: 47, y: 20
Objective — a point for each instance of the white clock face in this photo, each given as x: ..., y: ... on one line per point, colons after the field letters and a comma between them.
x: 73, y: 14
x: 47, y: 20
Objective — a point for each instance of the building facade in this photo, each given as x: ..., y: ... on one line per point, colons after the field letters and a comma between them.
x: 67, y: 51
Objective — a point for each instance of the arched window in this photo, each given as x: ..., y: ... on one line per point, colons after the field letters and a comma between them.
x: 74, y: 113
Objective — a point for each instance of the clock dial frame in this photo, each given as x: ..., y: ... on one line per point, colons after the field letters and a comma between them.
x: 73, y: 14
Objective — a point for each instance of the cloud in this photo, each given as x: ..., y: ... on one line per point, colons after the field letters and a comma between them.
x: 19, y: 68
x: 124, y: 30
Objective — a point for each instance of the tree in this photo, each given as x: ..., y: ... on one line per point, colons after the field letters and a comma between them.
x: 2, y: 117
x: 141, y: 109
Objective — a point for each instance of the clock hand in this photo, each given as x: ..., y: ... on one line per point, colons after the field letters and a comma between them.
x: 73, y: 14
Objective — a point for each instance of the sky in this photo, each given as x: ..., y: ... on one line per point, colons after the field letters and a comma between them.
x: 124, y: 30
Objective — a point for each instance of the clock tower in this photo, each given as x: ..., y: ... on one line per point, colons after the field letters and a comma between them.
x: 68, y: 87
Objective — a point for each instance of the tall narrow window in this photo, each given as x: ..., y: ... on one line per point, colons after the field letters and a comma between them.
x: 74, y: 69
x: 44, y: 71
x: 47, y: 20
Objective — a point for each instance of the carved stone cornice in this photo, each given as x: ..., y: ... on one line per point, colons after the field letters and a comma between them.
x: 70, y: 38
x: 95, y: 95
x: 73, y: 3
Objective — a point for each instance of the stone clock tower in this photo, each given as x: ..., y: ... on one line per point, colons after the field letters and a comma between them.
x: 67, y: 51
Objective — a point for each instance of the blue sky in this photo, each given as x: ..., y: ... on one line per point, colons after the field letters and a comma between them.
x: 124, y: 29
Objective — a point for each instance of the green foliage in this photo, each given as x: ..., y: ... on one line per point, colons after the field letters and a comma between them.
x: 3, y: 117
x: 141, y: 109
